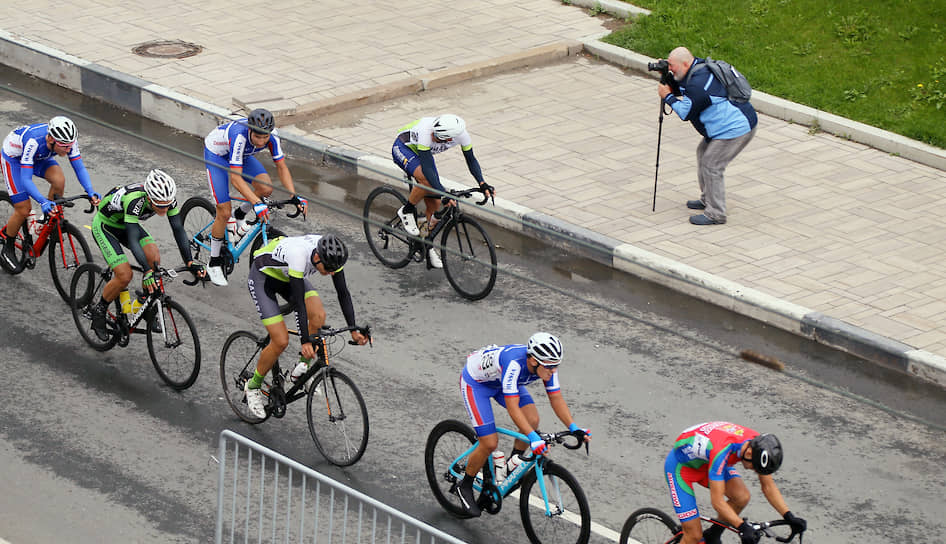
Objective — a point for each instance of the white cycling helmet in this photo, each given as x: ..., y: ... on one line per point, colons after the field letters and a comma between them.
x: 160, y: 186
x: 545, y: 348
x: 62, y: 129
x: 448, y: 126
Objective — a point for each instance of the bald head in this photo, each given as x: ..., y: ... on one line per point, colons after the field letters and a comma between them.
x: 681, y: 54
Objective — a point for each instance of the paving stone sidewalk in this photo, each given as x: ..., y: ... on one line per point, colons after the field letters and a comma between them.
x: 816, y: 221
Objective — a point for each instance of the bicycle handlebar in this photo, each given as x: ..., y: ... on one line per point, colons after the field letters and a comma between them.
x: 466, y: 193
x: 765, y: 528
x: 363, y: 329
x: 66, y: 202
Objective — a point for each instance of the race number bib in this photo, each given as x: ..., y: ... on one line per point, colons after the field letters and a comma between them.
x: 483, y: 364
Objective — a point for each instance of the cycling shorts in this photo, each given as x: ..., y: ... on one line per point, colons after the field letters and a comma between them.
x: 680, y: 479
x: 218, y: 174
x: 10, y: 167
x: 405, y: 157
x: 476, y: 399
x: 111, y: 239
x: 263, y: 290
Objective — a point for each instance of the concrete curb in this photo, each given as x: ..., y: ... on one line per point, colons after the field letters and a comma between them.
x: 614, y: 8
x: 198, y: 118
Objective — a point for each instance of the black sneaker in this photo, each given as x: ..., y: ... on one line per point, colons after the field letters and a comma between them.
x: 8, y: 252
x: 98, y: 322
x: 467, y: 500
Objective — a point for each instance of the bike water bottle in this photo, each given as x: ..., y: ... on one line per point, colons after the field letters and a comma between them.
x: 35, y: 222
x: 499, y: 462
x: 514, y: 463
x: 125, y: 298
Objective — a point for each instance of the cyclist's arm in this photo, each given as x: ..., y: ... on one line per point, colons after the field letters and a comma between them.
x: 429, y: 168
x: 26, y: 182
x: 344, y: 297
x: 473, y: 165
x: 560, y: 407
x: 772, y: 494
x: 297, y: 287
x: 517, y: 415
x: 135, y: 234
x: 285, y: 177
x: 180, y: 236
x: 81, y: 173
x: 721, y: 505
x: 240, y: 184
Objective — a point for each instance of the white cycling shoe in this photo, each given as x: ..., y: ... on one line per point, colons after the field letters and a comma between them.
x: 434, y: 258
x: 255, y: 400
x: 408, y: 221
x: 216, y: 275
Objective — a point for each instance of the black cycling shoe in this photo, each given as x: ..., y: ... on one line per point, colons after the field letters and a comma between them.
x: 98, y: 323
x: 467, y: 500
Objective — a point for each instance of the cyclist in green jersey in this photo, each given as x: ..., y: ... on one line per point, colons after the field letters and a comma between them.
x: 117, y: 223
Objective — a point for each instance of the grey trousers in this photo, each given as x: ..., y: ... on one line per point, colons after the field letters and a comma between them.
x: 712, y: 156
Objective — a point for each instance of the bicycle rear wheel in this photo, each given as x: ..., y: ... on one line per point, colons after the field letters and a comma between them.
x: 387, y: 238
x: 65, y: 258
x: 446, y: 443
x: 338, y: 418
x: 237, y: 364
x: 173, y: 344
x: 469, y: 258
x: 84, y: 292
x: 23, y: 239
x: 649, y: 526
x: 568, y: 520
x: 198, y: 215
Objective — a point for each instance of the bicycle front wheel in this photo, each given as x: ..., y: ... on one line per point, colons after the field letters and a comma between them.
x: 649, y: 526
x: 386, y: 236
x: 338, y: 418
x: 84, y: 292
x: 173, y: 344
x: 23, y: 240
x: 237, y: 364
x: 445, y: 463
x: 65, y: 258
x: 565, y: 518
x: 198, y: 215
x: 469, y: 258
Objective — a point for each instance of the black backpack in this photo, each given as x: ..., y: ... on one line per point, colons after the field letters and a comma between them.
x: 737, y: 87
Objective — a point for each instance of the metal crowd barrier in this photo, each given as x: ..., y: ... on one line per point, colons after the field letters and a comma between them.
x: 263, y: 496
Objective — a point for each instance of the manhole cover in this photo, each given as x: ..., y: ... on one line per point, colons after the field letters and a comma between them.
x: 167, y: 49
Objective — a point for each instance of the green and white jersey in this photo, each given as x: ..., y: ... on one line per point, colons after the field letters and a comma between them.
x: 419, y: 136
x: 287, y: 257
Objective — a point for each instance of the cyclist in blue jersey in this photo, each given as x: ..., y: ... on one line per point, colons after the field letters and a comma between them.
x: 29, y: 151
x: 502, y: 373
x: 228, y: 153
x: 280, y: 267
x: 413, y: 151
x: 117, y: 223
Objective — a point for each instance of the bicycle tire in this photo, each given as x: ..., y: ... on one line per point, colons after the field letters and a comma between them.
x: 23, y: 238
x: 560, y: 527
x: 271, y: 232
x: 463, y: 245
x: 177, y: 368
x: 650, y: 526
x: 75, y: 253
x: 237, y: 363
x: 335, y: 404
x: 387, y: 239
x: 197, y: 216
x: 89, y: 278
x: 447, y: 441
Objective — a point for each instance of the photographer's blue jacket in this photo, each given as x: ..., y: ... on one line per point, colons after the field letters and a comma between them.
x: 703, y: 102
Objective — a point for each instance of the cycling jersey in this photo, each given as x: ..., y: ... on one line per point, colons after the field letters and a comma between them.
x: 415, y: 146
x: 229, y: 146
x: 280, y: 267
x: 26, y: 154
x: 419, y: 136
x: 704, y: 452
x: 499, y: 373
x: 118, y: 220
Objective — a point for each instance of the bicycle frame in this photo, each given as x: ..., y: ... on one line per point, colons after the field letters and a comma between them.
x: 53, y: 223
x: 235, y: 250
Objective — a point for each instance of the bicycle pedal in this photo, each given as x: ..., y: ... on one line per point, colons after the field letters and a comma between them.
x: 30, y: 262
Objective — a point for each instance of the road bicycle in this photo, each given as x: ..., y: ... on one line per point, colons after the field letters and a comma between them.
x: 555, y: 510
x: 335, y: 409
x: 198, y: 215
x: 467, y: 251
x: 173, y: 344
x: 67, y: 247
x: 653, y: 526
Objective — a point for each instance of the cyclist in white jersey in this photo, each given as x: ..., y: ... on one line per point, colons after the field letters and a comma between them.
x: 413, y: 151
x: 228, y: 154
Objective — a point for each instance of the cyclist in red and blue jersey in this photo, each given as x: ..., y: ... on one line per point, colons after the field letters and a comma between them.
x: 502, y: 373
x: 229, y: 154
x: 29, y: 151
x: 706, y: 454
x: 413, y: 151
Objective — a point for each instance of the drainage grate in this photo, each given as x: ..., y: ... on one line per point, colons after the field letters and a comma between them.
x: 167, y: 49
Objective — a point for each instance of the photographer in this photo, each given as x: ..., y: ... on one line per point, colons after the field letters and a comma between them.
x: 726, y: 127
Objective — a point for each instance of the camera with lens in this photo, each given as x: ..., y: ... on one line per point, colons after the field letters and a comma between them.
x: 666, y: 78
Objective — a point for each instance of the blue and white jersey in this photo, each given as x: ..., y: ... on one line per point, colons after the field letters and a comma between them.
x: 504, y: 367
x: 27, y: 146
x: 232, y: 141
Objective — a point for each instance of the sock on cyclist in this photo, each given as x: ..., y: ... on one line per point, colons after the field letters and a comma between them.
x: 216, y: 244
x: 256, y: 381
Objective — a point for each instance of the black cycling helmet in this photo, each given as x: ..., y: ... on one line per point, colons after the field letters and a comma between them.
x: 332, y: 252
x: 261, y: 121
x: 766, y: 453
